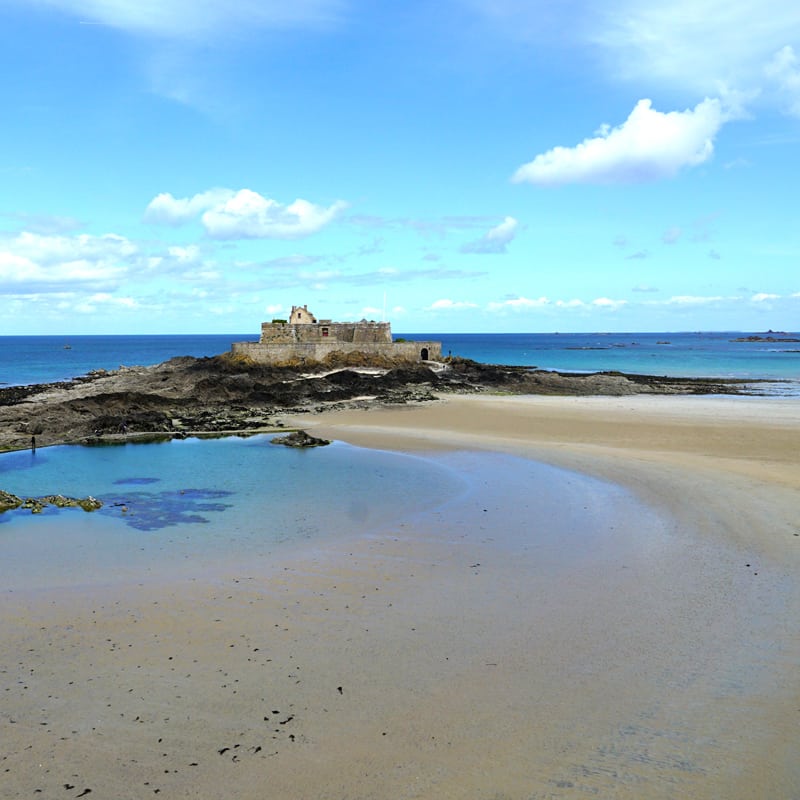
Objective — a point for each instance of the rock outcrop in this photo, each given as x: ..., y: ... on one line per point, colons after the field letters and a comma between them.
x: 300, y: 439
x: 224, y: 394
x: 36, y: 505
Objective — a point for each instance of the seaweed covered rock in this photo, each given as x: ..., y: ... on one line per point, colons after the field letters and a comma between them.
x: 9, y: 501
x: 36, y: 505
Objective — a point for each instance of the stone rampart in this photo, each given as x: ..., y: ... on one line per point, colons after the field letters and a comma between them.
x: 325, y: 331
x: 274, y: 353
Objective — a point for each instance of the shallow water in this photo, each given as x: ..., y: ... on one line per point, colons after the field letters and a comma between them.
x: 194, y: 500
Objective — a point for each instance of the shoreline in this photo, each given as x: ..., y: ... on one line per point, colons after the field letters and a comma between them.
x: 631, y: 634
x: 227, y: 394
x: 636, y: 441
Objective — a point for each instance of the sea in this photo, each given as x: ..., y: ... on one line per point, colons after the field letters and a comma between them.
x: 720, y: 354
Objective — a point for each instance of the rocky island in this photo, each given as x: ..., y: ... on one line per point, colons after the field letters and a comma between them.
x: 231, y: 393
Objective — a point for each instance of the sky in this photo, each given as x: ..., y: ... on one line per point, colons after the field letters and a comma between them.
x: 198, y: 166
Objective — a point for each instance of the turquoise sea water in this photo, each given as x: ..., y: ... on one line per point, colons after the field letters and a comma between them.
x: 37, y: 359
x: 200, y: 502
x: 199, y: 481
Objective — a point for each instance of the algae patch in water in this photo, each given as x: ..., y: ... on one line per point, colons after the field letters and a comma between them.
x: 151, y: 511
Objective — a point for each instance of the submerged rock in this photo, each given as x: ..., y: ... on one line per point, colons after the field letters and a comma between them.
x: 300, y: 439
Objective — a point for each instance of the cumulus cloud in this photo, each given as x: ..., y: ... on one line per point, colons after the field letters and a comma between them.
x: 36, y: 262
x: 495, y: 240
x: 204, y: 20
x: 608, y: 304
x: 248, y: 215
x: 243, y: 214
x: 764, y: 297
x: 449, y: 305
x: 639, y: 255
x: 164, y: 209
x: 648, y: 146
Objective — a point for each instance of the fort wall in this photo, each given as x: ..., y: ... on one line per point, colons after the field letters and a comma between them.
x: 273, y: 353
x: 307, y: 338
x: 325, y: 331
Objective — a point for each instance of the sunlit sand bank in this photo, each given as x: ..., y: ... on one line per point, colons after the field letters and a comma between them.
x: 541, y: 634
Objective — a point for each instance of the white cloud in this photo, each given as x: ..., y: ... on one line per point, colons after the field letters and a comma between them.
x: 495, y: 240
x: 694, y: 300
x: 784, y: 69
x: 694, y: 43
x: 249, y: 215
x: 245, y: 214
x: 105, y: 301
x: 164, y: 209
x: 764, y: 297
x: 671, y: 235
x: 449, y: 305
x: 608, y: 304
x: 35, y: 262
x: 185, y: 255
x: 574, y: 303
x: 519, y: 304
x: 202, y: 20
x: 699, y: 45
x: 648, y: 146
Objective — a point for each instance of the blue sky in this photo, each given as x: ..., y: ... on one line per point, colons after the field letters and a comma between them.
x: 469, y: 165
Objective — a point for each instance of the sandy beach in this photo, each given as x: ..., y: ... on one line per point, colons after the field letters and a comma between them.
x: 621, y: 623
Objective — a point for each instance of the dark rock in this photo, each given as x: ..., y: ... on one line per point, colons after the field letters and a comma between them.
x: 765, y: 339
x: 222, y: 394
x: 300, y: 439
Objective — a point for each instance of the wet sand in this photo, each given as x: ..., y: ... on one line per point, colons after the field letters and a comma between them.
x: 542, y: 634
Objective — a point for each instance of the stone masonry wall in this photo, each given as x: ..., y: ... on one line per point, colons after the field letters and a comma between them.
x: 287, y: 333
x: 265, y: 353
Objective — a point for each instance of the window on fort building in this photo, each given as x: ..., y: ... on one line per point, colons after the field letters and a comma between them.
x: 324, y: 331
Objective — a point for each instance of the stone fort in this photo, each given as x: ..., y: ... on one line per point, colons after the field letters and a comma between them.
x: 307, y: 338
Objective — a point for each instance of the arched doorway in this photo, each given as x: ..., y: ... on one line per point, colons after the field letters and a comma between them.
x: 423, y: 354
